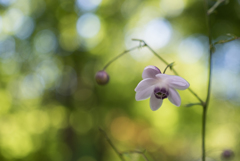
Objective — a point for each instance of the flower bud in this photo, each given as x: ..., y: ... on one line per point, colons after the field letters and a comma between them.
x: 101, y: 77
x: 227, y: 154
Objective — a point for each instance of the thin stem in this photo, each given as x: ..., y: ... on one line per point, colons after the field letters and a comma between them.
x: 143, y: 45
x: 209, y: 58
x: 225, y: 41
x: 125, y: 52
x: 204, y: 119
x: 120, y: 154
x: 205, y: 106
x: 139, y: 152
x: 169, y: 65
x: 211, y: 10
x: 174, y: 71
x: 112, y: 145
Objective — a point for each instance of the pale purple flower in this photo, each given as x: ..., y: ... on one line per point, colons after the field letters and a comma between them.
x: 159, y: 86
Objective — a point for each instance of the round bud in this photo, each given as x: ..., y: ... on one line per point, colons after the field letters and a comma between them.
x: 101, y: 77
x: 227, y: 154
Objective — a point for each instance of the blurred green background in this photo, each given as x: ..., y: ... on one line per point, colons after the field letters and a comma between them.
x: 51, y: 107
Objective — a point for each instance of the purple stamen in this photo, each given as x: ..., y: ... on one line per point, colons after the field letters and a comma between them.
x: 160, y: 93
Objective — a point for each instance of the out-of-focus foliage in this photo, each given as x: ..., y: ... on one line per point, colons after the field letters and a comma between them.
x: 51, y: 107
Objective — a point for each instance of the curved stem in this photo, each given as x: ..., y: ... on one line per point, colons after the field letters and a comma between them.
x: 170, y: 66
x: 125, y: 52
x: 112, y: 145
x: 174, y: 71
x: 139, y: 152
x: 158, y: 56
x: 120, y: 154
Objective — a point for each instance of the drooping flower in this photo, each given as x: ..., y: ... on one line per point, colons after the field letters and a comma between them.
x: 159, y: 86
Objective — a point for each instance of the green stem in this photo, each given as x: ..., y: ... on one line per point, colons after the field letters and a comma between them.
x: 204, y: 119
x: 225, y: 41
x: 139, y: 152
x: 164, y: 61
x: 174, y: 71
x: 211, y: 10
x: 125, y: 52
x: 169, y: 65
x: 112, y: 145
x: 120, y: 154
x: 205, y: 106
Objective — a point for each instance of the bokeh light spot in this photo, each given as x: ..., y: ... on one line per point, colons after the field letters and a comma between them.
x: 57, y: 116
x: 1, y: 24
x: 15, y: 141
x: 26, y: 28
x: 36, y: 121
x: 166, y: 120
x: 81, y: 121
x: 31, y: 87
x: 10, y: 66
x: 172, y: 7
x: 190, y: 50
x: 222, y: 136
x: 12, y: 20
x: 45, y: 41
x: 7, y: 47
x: 69, y: 39
x: 88, y: 25
x: 232, y: 57
x: 158, y: 33
x: 6, y: 2
x: 122, y: 128
x: 49, y: 72
x: 88, y: 5
x: 6, y: 101
x: 16, y: 145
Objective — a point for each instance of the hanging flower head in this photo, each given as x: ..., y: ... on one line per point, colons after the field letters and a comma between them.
x: 159, y: 86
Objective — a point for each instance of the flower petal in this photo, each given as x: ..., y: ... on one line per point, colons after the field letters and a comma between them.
x: 145, y: 84
x: 155, y: 103
x: 174, y: 81
x: 144, y: 94
x: 174, y: 97
x: 150, y: 72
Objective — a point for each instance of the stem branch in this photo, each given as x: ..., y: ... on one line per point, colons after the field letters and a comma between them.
x: 174, y: 71
x: 212, y: 9
x: 120, y: 154
x: 144, y: 44
x: 112, y: 145
x: 139, y: 152
x: 170, y: 66
x: 225, y: 41
x: 123, y: 53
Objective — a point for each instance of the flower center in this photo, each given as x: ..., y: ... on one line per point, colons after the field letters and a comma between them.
x: 160, y: 93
